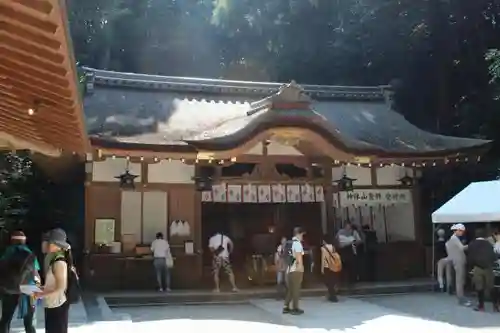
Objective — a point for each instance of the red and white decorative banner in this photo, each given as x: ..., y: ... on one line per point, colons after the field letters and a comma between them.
x: 219, y: 193
x: 278, y: 193
x: 206, y: 196
x: 293, y: 193
x: 249, y: 193
x: 234, y: 193
x: 264, y: 194
x: 307, y: 193
x: 319, y: 194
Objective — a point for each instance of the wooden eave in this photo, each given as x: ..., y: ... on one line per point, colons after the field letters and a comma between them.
x: 40, y: 104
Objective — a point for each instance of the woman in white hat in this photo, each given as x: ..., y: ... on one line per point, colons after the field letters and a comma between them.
x: 56, y: 283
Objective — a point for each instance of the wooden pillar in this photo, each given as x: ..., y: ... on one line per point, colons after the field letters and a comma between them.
x: 418, y: 224
x: 328, y: 190
x: 89, y: 222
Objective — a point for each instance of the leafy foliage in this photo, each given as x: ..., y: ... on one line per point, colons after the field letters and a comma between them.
x: 15, y: 172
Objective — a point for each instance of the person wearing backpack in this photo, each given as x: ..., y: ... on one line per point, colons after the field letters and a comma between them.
x: 295, y: 272
x: 331, y: 266
x: 59, y: 268
x: 18, y: 273
x: 221, y: 246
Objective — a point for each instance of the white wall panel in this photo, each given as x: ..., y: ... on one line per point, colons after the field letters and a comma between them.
x: 362, y: 175
x: 173, y: 172
x: 390, y: 175
x: 131, y: 214
x: 107, y: 170
x: 154, y: 214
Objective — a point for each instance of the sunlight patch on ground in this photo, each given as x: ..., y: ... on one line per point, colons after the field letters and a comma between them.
x: 385, y: 324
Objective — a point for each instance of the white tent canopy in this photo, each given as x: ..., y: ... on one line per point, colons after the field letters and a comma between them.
x: 478, y: 202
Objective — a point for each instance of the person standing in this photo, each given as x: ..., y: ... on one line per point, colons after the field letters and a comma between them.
x: 24, y: 303
x: 482, y: 257
x: 347, y: 239
x: 456, y: 253
x: 370, y: 257
x: 162, y: 259
x: 280, y: 264
x: 295, y: 272
x: 445, y: 274
x: 444, y: 264
x: 56, y: 282
x: 221, y: 246
x: 331, y: 265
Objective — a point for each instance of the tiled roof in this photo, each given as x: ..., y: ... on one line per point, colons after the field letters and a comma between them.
x: 171, y: 111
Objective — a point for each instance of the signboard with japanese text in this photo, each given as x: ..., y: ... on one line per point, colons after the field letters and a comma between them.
x: 384, y: 197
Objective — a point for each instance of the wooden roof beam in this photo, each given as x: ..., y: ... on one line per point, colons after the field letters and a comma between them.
x: 27, y: 34
x: 21, y: 132
x: 17, y: 143
x: 37, y: 69
x: 63, y: 33
x: 25, y: 59
x: 16, y: 44
x: 42, y: 83
x: 12, y: 114
x: 38, y: 138
x: 27, y: 16
x: 38, y: 5
x: 44, y: 96
x: 17, y: 103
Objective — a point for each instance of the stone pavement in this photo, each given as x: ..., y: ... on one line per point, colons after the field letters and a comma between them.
x: 77, y: 318
x: 429, y: 313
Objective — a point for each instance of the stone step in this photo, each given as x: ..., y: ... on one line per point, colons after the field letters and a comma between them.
x: 130, y: 299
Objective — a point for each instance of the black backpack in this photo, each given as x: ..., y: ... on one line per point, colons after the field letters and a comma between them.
x: 288, y: 253
x: 73, y: 292
x: 16, y: 270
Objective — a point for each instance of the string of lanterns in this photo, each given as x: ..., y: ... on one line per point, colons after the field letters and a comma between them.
x: 345, y: 183
x: 432, y: 163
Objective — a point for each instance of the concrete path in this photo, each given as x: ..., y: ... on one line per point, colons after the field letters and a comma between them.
x: 77, y: 318
x: 429, y: 313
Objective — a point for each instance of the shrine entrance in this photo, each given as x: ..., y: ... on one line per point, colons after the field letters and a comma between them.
x: 256, y: 229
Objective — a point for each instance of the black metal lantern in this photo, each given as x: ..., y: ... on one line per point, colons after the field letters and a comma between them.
x: 127, y: 179
x: 203, y: 183
x: 406, y: 180
x: 345, y: 183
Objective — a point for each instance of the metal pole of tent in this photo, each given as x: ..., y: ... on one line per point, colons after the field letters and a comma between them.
x: 433, y: 253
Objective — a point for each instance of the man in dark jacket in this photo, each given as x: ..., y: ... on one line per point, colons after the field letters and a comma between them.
x: 24, y: 303
x: 481, y: 257
x: 370, y: 254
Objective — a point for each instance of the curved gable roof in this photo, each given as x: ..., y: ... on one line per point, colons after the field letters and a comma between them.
x: 162, y: 113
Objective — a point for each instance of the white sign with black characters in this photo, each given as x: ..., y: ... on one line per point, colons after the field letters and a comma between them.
x: 384, y: 197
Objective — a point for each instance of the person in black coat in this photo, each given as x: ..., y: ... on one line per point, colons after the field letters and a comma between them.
x: 482, y: 257
x: 370, y: 254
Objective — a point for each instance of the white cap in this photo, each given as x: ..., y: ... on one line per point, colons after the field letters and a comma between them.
x: 458, y: 226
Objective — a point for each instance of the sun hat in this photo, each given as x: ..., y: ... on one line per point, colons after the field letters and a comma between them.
x: 458, y: 226
x: 58, y: 237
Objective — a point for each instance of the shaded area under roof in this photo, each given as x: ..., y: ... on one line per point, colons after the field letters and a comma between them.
x: 123, y: 111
